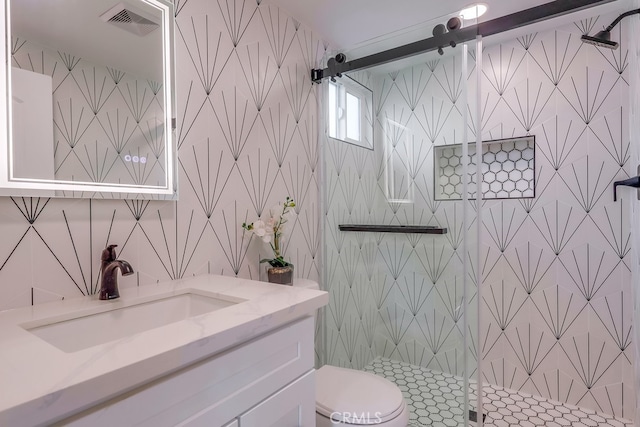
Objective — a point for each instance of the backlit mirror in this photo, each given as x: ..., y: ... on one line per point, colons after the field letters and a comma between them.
x: 89, y: 98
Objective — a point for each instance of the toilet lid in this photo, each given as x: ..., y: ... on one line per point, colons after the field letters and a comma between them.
x: 356, y: 397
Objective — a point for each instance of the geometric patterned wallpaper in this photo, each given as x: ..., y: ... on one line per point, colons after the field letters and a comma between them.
x: 634, y: 209
x: 103, y: 118
x: 247, y: 138
x: 556, y: 298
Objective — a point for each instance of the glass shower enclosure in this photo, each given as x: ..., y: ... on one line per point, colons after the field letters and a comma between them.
x: 401, y: 214
x: 413, y: 249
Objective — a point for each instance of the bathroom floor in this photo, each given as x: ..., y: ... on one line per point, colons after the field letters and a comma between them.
x: 437, y: 399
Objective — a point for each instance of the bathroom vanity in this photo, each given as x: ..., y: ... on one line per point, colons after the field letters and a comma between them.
x: 207, y: 350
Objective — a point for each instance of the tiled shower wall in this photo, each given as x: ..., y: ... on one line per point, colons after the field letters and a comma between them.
x: 247, y: 137
x: 556, y: 297
x: 634, y: 211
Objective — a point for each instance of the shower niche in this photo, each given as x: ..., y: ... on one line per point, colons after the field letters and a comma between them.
x: 508, y: 169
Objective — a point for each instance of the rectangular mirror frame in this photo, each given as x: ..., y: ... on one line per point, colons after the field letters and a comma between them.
x: 39, y: 187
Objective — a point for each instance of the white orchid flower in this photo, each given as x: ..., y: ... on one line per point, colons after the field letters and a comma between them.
x: 271, y: 229
x: 259, y: 228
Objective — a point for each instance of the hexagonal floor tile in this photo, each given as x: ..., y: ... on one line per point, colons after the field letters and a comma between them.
x: 428, y: 395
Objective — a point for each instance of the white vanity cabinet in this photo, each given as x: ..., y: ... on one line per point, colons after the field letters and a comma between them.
x: 267, y: 381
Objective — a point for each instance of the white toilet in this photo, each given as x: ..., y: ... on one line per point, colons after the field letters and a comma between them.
x: 347, y: 397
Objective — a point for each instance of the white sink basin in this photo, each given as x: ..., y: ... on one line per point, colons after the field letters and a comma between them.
x: 79, y: 333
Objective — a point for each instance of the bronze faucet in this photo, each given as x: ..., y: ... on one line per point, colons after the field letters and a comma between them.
x: 110, y: 266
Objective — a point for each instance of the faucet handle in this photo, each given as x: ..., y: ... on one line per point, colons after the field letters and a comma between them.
x: 109, y: 253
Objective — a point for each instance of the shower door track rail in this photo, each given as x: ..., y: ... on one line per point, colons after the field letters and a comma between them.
x: 494, y: 26
x: 410, y: 229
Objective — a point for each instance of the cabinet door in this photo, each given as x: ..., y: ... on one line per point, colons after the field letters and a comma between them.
x: 216, y: 390
x: 293, y: 406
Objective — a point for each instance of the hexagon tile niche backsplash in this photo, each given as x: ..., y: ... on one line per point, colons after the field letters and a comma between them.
x: 508, y: 169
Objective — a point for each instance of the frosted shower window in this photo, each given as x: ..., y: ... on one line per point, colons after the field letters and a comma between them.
x: 350, y: 112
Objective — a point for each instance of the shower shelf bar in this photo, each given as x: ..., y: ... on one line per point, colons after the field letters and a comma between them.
x: 414, y: 229
x: 487, y: 28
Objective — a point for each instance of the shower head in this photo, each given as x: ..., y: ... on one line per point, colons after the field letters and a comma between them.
x: 601, y: 39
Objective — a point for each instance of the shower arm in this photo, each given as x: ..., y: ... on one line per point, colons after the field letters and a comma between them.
x: 620, y: 18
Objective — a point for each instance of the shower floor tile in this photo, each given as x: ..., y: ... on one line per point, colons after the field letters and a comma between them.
x: 437, y: 399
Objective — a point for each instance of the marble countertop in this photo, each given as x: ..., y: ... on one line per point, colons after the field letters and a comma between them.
x: 40, y: 383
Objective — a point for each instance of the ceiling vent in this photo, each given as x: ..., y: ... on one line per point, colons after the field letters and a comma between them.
x: 130, y: 19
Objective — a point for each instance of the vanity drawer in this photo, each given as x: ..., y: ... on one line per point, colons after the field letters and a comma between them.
x: 294, y: 406
x: 223, y: 386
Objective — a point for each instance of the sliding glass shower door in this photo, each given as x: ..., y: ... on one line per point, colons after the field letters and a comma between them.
x: 401, y: 261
